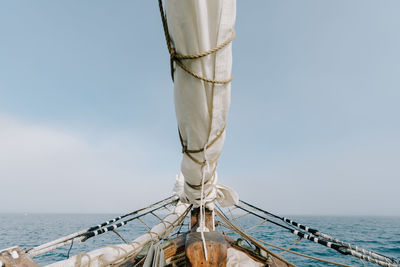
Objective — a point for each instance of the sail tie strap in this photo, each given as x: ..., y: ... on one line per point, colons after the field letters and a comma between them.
x: 188, y: 152
x: 177, y: 57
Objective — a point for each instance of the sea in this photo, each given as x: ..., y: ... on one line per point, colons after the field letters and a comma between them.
x: 380, y: 234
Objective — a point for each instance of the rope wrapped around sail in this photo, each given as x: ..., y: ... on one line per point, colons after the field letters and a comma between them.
x: 198, y: 36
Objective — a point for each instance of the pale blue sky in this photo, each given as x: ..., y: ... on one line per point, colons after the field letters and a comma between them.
x: 86, y: 101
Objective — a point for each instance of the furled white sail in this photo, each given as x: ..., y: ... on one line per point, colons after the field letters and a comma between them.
x: 200, y: 34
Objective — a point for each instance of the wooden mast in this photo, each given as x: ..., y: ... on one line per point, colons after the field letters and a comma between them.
x: 215, y: 243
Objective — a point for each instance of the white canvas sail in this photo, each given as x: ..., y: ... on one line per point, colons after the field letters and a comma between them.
x: 199, y: 35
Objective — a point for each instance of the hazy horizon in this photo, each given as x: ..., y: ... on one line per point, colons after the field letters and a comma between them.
x: 87, y: 120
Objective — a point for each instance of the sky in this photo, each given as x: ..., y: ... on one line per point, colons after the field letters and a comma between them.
x: 87, y: 122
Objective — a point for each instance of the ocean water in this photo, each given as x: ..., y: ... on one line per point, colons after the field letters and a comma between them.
x: 380, y: 234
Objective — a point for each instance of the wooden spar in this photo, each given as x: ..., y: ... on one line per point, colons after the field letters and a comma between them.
x: 215, y: 243
x: 195, y: 219
x: 216, y: 249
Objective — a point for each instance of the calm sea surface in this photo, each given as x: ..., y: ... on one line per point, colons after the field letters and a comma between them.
x: 381, y: 234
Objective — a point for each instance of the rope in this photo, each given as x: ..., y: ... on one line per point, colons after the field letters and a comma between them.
x: 129, y: 214
x: 115, y: 226
x: 353, y: 250
x: 209, y: 52
x: 371, y: 259
x: 205, y: 79
x: 257, y: 242
x: 79, y: 257
x: 311, y: 237
x: 249, y: 238
x: 120, y: 236
x: 70, y: 247
x: 177, y: 57
x: 202, y: 226
x: 123, y: 259
x: 79, y: 236
x: 308, y: 229
x: 292, y: 246
x: 140, y: 262
x: 187, y: 151
x: 302, y: 255
x: 166, y: 231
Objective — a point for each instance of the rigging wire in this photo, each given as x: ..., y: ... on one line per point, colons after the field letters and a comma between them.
x: 300, y: 234
x: 303, y: 227
x: 258, y: 243
x: 128, y: 214
x: 115, y: 226
x: 219, y: 212
x: 315, y: 235
x: 80, y: 236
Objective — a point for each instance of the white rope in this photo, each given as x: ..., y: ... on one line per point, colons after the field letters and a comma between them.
x: 202, y: 225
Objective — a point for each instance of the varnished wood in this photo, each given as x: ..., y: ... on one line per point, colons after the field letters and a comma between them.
x: 195, y: 219
x: 215, y: 243
x: 216, y: 250
x: 177, y: 246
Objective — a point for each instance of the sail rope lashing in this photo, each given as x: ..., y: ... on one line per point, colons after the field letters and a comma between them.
x: 350, y: 249
x: 188, y: 152
x: 177, y: 57
x: 80, y: 235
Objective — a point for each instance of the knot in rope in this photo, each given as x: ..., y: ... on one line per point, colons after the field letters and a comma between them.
x: 176, y: 57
